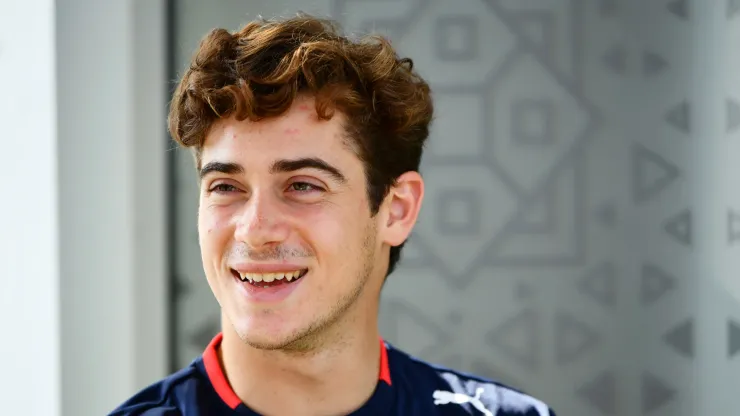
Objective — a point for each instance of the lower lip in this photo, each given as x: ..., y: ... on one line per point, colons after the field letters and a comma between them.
x: 270, y: 294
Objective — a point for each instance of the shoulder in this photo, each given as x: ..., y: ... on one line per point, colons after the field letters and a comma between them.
x: 166, y: 397
x: 451, y: 389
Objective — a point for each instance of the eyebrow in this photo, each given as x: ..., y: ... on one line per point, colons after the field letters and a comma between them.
x: 282, y: 165
x: 220, y: 167
x: 291, y: 165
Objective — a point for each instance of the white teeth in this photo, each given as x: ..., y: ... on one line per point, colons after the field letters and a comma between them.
x: 269, y: 277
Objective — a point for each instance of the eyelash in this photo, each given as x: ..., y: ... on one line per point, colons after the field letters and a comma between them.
x: 311, y: 186
x: 225, y: 187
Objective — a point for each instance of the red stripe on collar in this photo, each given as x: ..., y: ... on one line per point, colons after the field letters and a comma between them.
x: 216, y: 373
x: 221, y: 384
x: 385, y: 369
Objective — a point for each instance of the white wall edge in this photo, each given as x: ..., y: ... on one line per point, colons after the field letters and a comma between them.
x: 29, y: 249
x: 112, y: 170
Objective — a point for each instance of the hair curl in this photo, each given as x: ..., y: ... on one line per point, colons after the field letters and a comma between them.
x: 258, y: 71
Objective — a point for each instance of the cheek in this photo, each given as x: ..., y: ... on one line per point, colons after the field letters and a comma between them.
x: 334, y: 230
x: 214, y: 226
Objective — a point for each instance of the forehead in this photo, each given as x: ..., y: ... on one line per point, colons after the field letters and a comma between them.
x: 296, y: 133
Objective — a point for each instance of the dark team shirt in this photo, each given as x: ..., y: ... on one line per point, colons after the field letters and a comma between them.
x: 406, y: 387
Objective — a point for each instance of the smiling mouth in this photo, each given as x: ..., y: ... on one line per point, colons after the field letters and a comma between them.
x: 270, y: 279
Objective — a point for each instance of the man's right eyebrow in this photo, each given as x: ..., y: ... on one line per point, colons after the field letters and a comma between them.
x: 228, y: 168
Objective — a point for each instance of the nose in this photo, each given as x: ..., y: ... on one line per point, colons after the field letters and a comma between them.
x: 261, y: 224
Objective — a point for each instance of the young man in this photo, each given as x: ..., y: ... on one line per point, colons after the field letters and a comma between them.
x: 307, y: 145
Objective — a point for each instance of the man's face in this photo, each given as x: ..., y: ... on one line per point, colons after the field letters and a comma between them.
x: 287, y: 239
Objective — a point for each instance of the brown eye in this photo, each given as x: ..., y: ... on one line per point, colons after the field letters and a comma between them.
x: 222, y: 188
x: 304, y: 187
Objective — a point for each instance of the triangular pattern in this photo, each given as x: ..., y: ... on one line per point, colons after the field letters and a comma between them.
x: 655, y: 393
x: 403, y: 324
x: 679, y: 8
x: 733, y: 226
x: 518, y: 339
x: 651, y: 173
x: 733, y: 115
x: 680, y: 117
x: 601, y: 393
x: 653, y: 64
x: 733, y: 338
x: 572, y: 338
x: 681, y: 338
x: 679, y: 227
x: 600, y: 284
x: 655, y: 283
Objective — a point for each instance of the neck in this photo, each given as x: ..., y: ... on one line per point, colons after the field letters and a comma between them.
x: 336, y: 377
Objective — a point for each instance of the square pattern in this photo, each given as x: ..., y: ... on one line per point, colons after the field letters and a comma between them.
x: 532, y: 122
x: 456, y: 38
x: 458, y: 212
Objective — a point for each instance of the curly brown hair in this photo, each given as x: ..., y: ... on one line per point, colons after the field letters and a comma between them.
x: 258, y: 71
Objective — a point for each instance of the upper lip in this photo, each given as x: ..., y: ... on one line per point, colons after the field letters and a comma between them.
x: 266, y: 268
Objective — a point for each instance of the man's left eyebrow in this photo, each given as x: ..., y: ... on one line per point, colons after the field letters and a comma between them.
x: 291, y: 165
x: 221, y: 167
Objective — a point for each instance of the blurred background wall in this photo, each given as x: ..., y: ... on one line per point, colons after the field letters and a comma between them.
x: 579, y: 234
x: 83, y: 289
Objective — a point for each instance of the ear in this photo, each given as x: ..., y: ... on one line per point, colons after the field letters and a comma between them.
x: 402, y: 206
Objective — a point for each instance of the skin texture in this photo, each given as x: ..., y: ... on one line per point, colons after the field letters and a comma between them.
x: 316, y: 351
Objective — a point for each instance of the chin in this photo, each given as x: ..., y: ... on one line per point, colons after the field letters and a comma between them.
x: 267, y: 330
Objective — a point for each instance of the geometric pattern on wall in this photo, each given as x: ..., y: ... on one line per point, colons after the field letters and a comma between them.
x: 678, y: 227
x: 733, y: 338
x: 518, y: 339
x: 521, y: 145
x: 600, y: 393
x: 656, y: 393
x: 679, y: 117
x: 651, y: 173
x: 732, y: 115
x: 733, y: 226
x: 681, y: 338
x: 404, y: 323
x: 573, y: 338
x: 600, y: 284
x: 654, y: 283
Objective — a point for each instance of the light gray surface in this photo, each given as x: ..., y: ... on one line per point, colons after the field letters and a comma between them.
x: 111, y: 60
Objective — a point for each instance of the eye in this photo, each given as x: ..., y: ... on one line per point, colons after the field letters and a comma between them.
x: 304, y: 187
x: 222, y: 188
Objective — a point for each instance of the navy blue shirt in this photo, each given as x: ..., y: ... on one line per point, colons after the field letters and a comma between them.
x: 406, y: 387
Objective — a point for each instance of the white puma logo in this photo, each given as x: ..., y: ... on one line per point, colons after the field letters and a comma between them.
x: 446, y: 397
